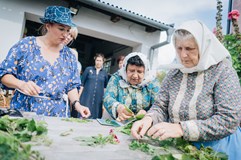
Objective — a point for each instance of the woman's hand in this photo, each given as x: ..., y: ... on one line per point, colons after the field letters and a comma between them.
x: 84, y: 111
x: 123, y: 114
x: 165, y: 130
x: 29, y: 88
x: 139, y: 128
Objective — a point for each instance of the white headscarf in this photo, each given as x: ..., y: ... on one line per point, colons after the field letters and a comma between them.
x: 122, y: 72
x: 211, y: 51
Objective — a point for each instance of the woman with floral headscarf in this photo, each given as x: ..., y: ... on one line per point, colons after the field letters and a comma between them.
x: 200, y: 97
x: 132, y: 87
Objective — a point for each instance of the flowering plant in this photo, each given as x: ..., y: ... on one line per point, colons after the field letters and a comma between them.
x: 231, y: 41
x: 234, y: 14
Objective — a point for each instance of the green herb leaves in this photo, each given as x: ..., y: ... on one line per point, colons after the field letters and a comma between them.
x: 99, y: 139
x: 15, y: 131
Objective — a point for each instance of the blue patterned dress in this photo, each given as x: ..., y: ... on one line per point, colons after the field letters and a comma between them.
x: 25, y: 62
x: 93, y: 92
x: 136, y: 98
x: 207, y: 104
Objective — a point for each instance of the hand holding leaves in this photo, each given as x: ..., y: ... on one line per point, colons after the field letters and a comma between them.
x: 165, y: 130
x: 124, y: 113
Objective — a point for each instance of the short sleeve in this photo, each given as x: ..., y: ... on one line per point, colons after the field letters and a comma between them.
x: 15, y: 60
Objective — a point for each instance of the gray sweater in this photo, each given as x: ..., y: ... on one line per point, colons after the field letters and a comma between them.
x: 207, y: 104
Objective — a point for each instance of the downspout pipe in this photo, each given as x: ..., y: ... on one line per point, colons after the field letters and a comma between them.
x: 230, y: 6
x: 126, y: 14
x: 167, y: 41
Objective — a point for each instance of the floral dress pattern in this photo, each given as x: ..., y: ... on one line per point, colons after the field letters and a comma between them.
x: 136, y: 98
x: 25, y: 62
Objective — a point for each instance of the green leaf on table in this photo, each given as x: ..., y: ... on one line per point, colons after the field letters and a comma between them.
x: 11, y: 148
x: 66, y: 133
x: 126, y: 129
x: 98, y: 140
x: 163, y: 157
x: 144, y: 147
x: 76, y: 120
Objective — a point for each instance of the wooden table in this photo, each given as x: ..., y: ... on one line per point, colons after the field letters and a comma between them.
x: 66, y: 148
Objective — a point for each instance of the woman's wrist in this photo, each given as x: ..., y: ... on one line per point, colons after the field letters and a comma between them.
x: 179, y: 129
x: 75, y: 104
x: 78, y: 107
x: 19, y: 84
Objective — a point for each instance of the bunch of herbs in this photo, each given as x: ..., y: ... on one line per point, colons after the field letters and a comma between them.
x: 15, y: 131
x: 98, y: 140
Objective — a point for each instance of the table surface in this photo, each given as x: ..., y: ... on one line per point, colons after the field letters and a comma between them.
x: 66, y: 148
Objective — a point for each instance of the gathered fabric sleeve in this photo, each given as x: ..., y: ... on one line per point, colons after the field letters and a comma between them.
x: 74, y: 80
x: 227, y: 111
x: 14, y: 62
x: 159, y: 110
x: 110, y: 96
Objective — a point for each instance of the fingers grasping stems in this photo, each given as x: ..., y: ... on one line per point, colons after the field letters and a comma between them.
x: 159, y: 131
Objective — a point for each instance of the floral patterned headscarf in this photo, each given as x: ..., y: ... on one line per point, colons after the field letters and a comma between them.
x: 122, y: 72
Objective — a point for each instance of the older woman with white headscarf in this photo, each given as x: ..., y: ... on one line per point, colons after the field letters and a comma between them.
x: 131, y: 87
x: 200, y: 97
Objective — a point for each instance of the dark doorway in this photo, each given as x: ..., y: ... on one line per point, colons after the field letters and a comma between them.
x: 87, y: 47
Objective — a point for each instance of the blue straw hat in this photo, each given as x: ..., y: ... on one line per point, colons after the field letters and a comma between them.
x: 57, y: 14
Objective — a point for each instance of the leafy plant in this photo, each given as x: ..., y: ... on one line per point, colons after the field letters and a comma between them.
x: 23, y: 129
x: 99, y: 139
x: 144, y: 147
x: 11, y: 149
x: 233, y: 45
x: 188, y: 150
x: 15, y: 131
x: 232, y: 42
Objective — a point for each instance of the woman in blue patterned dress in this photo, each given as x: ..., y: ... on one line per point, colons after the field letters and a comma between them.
x: 43, y: 70
x: 132, y: 86
x: 94, y: 81
x: 200, y: 97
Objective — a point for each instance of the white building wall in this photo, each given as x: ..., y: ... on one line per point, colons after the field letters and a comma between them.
x: 14, y: 12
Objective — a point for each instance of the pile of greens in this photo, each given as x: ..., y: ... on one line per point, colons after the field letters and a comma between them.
x: 144, y: 147
x: 188, y: 151
x: 13, y: 132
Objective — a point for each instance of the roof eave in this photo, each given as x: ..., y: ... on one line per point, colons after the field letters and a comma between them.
x: 127, y: 14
